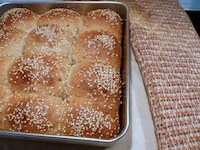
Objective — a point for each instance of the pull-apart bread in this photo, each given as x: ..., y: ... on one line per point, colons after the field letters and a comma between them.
x: 60, y: 72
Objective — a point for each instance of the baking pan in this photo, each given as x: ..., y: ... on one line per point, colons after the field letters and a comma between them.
x: 82, y: 7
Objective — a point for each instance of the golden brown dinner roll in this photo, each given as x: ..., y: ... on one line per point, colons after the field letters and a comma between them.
x: 5, y: 64
x: 87, y: 118
x: 41, y: 73
x: 49, y: 38
x: 104, y: 19
x: 94, y: 45
x: 34, y: 113
x: 95, y: 80
x: 5, y: 93
x: 65, y: 18
x: 20, y: 18
x: 11, y: 41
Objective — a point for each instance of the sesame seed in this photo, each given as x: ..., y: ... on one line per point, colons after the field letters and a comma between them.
x: 15, y: 14
x: 36, y: 116
x: 107, y: 13
x: 90, y: 121
x: 103, y: 40
x: 106, y: 77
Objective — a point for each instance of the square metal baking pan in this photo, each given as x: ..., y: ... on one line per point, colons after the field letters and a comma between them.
x: 82, y: 7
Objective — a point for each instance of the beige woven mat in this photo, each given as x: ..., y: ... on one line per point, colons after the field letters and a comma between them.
x: 167, y: 49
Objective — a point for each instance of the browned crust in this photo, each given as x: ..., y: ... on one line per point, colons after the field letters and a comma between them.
x: 20, y: 18
x: 98, y: 45
x: 104, y: 19
x: 45, y: 83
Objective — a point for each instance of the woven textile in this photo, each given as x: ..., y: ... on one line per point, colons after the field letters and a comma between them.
x: 167, y: 49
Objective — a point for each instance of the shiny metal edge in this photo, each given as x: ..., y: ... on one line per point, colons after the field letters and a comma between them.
x: 81, y: 140
x: 66, y: 2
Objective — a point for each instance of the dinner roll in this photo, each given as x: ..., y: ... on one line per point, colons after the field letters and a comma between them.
x: 49, y: 38
x: 34, y: 113
x: 11, y: 41
x: 67, y: 19
x: 95, y: 80
x: 20, y: 18
x: 104, y: 19
x: 95, y: 45
x: 5, y: 64
x: 41, y: 73
x: 87, y: 118
x: 5, y: 93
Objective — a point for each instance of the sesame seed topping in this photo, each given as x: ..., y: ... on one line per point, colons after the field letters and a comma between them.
x: 62, y: 13
x: 106, y: 77
x: 6, y: 35
x: 90, y: 121
x: 48, y: 32
x: 17, y: 15
x: 102, y: 40
x: 107, y: 13
x: 55, y: 38
x: 28, y: 113
x: 34, y: 70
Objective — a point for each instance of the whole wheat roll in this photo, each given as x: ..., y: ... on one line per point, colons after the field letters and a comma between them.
x: 20, y: 18
x: 97, y: 45
x: 49, y: 38
x: 104, y: 19
x: 43, y: 73
x: 87, y: 118
x: 67, y: 19
x: 34, y: 113
x: 95, y: 80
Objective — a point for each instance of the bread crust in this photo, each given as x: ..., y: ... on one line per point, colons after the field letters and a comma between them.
x: 20, y: 18
x: 34, y: 113
x: 49, y: 38
x: 104, y: 19
x: 5, y: 93
x: 43, y: 73
x: 67, y: 19
x: 87, y: 118
x: 98, y: 45
x: 60, y: 72
x: 11, y: 41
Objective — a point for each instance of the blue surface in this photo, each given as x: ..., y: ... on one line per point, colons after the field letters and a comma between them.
x: 190, y: 4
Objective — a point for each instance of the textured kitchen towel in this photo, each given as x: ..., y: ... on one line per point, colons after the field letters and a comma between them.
x: 167, y: 49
